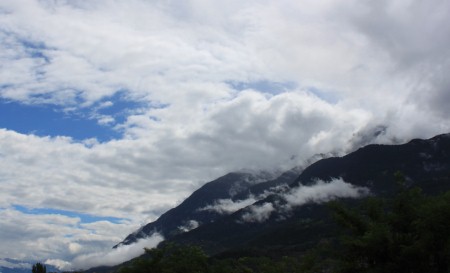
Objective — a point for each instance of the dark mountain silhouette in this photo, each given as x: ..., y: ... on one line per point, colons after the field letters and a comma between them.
x: 424, y: 163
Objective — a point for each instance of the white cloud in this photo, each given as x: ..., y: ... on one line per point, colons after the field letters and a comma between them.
x: 60, y: 264
x: 117, y: 255
x: 37, y: 237
x: 190, y: 225
x: 258, y: 213
x: 322, y: 191
x: 352, y: 65
x: 228, y: 206
x: 10, y: 264
x: 318, y: 192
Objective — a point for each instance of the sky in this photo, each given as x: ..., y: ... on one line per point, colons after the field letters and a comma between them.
x: 113, y: 111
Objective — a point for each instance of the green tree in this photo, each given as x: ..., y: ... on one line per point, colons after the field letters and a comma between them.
x: 39, y: 268
x: 170, y: 258
x: 409, y: 233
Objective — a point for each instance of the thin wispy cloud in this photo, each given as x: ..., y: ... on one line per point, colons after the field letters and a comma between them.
x: 176, y: 94
x: 318, y: 192
x: 228, y: 206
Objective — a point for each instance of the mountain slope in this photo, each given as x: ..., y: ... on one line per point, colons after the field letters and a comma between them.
x: 425, y: 163
x: 198, y: 209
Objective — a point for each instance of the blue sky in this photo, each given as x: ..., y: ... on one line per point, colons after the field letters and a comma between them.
x: 53, y: 120
x: 45, y: 120
x: 84, y: 218
x: 265, y: 86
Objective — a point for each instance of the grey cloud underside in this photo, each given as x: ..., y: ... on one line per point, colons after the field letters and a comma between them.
x: 415, y: 38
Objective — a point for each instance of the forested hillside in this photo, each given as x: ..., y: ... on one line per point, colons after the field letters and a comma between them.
x: 406, y: 233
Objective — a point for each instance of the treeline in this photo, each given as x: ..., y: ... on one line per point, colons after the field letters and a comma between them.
x: 173, y: 258
x: 407, y: 233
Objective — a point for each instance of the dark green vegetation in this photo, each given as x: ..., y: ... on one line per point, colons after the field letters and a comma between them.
x: 192, y: 259
x: 39, y: 268
x: 407, y: 233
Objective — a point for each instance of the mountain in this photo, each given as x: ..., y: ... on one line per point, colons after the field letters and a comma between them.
x: 424, y: 163
x: 247, y: 213
x: 212, y: 201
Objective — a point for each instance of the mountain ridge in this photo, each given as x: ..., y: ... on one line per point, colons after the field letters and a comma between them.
x: 372, y: 167
x: 233, y: 186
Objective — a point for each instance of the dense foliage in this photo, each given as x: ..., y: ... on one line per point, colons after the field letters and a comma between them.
x: 410, y: 233
x: 189, y: 259
x: 38, y: 268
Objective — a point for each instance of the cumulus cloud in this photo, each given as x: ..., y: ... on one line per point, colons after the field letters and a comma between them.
x: 100, y: 177
x: 323, y: 191
x: 318, y: 192
x: 42, y: 233
x: 56, y: 237
x: 220, y: 86
x: 117, y: 255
